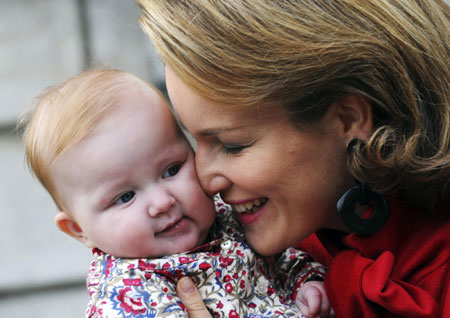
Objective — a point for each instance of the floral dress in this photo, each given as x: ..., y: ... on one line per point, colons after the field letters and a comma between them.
x: 232, y: 279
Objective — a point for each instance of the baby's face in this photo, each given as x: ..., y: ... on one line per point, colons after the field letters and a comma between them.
x: 131, y: 183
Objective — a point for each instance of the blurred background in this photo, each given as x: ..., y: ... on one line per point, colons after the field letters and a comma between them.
x: 43, y: 42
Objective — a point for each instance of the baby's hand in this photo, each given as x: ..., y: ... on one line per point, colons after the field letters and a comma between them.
x: 312, y: 300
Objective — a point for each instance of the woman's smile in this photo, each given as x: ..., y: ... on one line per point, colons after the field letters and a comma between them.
x: 250, y: 211
x: 249, y: 217
x: 249, y: 206
x: 279, y: 179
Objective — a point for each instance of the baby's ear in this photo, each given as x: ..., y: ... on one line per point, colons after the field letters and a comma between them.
x: 65, y: 222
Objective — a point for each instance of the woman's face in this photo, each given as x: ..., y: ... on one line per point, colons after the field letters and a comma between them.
x: 283, y: 183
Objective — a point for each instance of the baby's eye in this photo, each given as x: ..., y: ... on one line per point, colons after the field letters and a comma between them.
x: 173, y: 170
x: 125, y: 197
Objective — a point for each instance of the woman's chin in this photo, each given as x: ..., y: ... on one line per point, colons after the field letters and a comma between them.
x: 263, y: 247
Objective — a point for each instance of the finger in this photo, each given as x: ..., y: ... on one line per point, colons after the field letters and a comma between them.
x: 314, y: 305
x: 303, y: 308
x: 191, y: 298
x: 325, y: 308
x: 306, y: 307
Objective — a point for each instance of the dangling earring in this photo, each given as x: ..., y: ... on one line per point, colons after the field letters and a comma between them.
x: 360, y: 194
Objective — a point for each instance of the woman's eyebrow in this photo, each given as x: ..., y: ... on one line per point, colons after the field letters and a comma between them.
x: 207, y: 132
x: 210, y: 132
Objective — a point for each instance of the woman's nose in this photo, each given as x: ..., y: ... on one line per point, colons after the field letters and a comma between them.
x: 209, y: 173
x: 161, y: 201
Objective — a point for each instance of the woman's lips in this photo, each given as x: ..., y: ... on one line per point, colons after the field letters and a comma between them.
x: 250, y: 213
x: 249, y: 206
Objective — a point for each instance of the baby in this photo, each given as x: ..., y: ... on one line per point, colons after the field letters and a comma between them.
x: 107, y: 148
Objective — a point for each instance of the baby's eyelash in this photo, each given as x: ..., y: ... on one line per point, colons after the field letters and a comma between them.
x: 124, y: 197
x: 172, y: 170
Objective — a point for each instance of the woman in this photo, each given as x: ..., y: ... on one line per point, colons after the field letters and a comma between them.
x: 325, y: 123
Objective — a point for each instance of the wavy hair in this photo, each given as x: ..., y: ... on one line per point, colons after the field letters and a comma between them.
x: 306, y: 54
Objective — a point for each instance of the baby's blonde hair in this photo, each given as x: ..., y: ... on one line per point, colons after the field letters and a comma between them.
x: 63, y: 115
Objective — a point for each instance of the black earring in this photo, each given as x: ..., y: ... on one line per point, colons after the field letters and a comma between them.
x: 362, y: 195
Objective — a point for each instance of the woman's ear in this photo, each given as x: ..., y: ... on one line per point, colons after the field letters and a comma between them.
x: 355, y: 114
x: 65, y: 222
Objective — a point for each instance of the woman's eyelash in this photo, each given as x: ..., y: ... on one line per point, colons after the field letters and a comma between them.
x: 232, y: 149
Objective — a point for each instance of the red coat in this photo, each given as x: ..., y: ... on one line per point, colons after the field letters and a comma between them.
x: 403, y: 270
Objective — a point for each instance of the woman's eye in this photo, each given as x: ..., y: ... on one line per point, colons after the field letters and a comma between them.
x: 173, y: 170
x: 124, y: 198
x: 232, y: 149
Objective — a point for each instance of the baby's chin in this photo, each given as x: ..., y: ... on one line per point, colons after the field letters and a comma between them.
x: 168, y: 246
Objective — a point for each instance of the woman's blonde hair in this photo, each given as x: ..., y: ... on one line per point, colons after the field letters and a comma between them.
x: 306, y: 54
x: 63, y: 115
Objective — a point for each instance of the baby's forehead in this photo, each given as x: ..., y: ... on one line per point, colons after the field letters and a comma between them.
x: 135, y: 88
